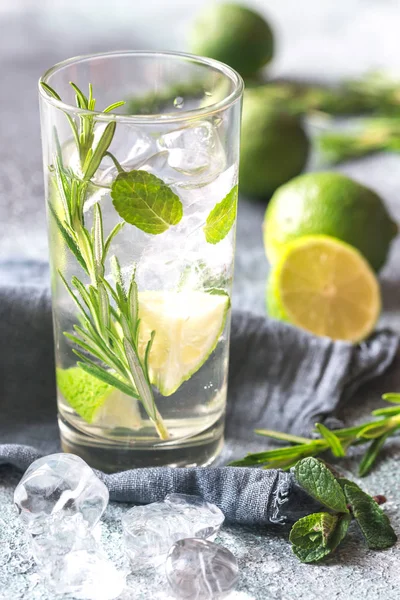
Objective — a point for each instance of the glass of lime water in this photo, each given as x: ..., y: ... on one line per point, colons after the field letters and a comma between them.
x: 141, y: 171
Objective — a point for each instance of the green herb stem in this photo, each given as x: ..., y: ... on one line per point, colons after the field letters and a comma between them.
x: 338, y: 441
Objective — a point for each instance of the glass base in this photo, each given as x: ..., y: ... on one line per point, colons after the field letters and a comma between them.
x: 110, y: 456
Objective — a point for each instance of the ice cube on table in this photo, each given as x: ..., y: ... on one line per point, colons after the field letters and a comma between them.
x: 149, y: 532
x: 59, y: 483
x: 201, y: 570
x: 196, y: 152
x: 205, y: 518
x: 86, y: 575
x: 62, y: 534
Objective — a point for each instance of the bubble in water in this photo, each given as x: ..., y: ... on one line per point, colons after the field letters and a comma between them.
x: 179, y: 102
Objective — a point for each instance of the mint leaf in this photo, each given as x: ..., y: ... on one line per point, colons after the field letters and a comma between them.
x: 318, y: 481
x: 222, y: 217
x: 318, y: 526
x: 312, y: 554
x: 144, y: 200
x: 373, y: 522
x: 309, y: 536
x: 317, y: 535
x: 340, y: 531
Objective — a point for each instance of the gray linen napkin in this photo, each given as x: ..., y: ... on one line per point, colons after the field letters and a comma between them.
x: 280, y: 378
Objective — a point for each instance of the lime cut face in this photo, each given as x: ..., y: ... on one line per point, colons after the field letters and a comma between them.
x: 188, y: 326
x: 326, y: 287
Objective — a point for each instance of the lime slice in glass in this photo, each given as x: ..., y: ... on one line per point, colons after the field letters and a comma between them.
x: 188, y: 326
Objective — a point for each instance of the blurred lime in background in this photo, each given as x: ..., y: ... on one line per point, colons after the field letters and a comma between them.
x: 330, y: 204
x: 274, y: 146
x: 234, y: 35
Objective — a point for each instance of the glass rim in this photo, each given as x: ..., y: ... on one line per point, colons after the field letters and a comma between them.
x: 221, y: 67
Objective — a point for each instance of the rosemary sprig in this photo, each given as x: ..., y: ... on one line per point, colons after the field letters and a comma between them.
x: 372, y: 135
x: 375, y: 93
x: 106, y: 339
x: 337, y: 441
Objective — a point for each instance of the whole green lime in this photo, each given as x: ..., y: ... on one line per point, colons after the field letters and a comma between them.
x: 235, y: 35
x: 274, y: 146
x: 330, y: 204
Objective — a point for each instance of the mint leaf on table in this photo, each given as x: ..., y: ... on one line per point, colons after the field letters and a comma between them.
x: 317, y: 535
x: 221, y: 218
x: 373, y: 522
x: 340, y: 531
x: 312, y: 554
x: 318, y: 481
x: 144, y: 200
x: 317, y: 526
x: 310, y: 535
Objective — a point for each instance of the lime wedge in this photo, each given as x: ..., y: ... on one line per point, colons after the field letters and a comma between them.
x: 97, y: 402
x: 188, y: 326
x: 325, y: 286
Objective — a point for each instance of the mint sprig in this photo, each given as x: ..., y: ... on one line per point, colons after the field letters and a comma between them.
x: 315, y: 536
x: 221, y: 218
x: 144, y: 200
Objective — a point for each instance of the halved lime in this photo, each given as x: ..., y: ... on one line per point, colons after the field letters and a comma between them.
x: 97, y: 402
x: 325, y: 286
x: 188, y: 326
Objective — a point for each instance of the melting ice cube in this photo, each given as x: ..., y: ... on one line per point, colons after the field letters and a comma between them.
x: 59, y: 483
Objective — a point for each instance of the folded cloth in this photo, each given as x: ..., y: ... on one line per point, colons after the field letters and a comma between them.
x: 280, y: 377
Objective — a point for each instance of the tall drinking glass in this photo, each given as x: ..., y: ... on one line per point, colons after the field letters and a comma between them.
x: 141, y: 170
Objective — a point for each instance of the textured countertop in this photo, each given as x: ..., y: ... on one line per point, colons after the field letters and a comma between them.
x: 322, y: 41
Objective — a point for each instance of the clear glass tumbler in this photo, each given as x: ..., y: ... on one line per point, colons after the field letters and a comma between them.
x: 141, y: 172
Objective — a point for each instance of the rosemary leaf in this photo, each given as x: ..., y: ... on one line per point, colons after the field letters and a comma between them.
x: 370, y: 456
x: 386, y: 412
x: 98, y: 242
x: 91, y: 349
x: 50, y: 91
x: 105, y: 376
x: 104, y: 308
x: 116, y: 271
x: 392, y: 397
x: 147, y: 355
x: 133, y: 302
x: 139, y: 379
x: 279, y: 435
x: 63, y: 188
x: 83, y: 101
x: 110, y: 238
x: 331, y: 439
x: 68, y: 239
x: 127, y: 333
x: 100, y: 150
x: 73, y: 296
x: 114, y: 106
x: 53, y: 93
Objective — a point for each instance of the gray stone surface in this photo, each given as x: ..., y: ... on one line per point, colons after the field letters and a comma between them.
x: 321, y: 40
